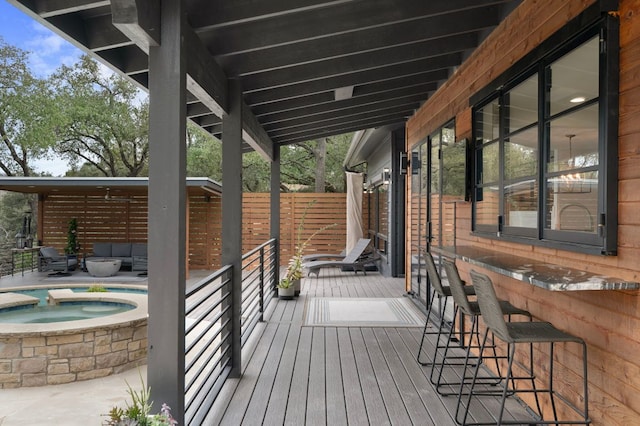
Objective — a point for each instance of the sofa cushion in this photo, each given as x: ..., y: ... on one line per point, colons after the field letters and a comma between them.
x: 139, y: 249
x: 121, y: 250
x: 102, y: 249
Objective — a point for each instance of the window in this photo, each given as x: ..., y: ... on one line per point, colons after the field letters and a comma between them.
x: 545, y: 148
x: 447, y: 183
x: 379, y: 216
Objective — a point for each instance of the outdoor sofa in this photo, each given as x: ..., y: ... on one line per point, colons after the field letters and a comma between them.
x: 132, y: 255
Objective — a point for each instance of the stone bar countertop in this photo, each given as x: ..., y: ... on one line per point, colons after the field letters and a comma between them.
x: 542, y: 274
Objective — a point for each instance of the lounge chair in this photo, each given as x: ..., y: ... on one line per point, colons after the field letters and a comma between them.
x: 328, y: 256
x: 51, y: 260
x: 354, y: 259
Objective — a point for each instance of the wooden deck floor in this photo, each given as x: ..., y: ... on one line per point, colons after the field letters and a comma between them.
x: 300, y: 375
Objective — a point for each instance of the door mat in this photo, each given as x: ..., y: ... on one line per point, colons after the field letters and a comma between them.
x: 362, y: 312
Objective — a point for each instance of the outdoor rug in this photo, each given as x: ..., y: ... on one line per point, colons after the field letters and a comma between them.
x: 362, y: 312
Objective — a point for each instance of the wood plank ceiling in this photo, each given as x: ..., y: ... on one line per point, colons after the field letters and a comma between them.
x: 308, y: 68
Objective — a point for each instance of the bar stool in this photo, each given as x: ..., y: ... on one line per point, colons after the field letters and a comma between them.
x: 471, y: 309
x: 515, y: 333
x: 442, y: 293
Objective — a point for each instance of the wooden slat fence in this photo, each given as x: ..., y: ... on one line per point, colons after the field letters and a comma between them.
x: 119, y: 221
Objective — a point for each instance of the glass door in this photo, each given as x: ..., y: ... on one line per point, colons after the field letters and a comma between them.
x: 419, y: 221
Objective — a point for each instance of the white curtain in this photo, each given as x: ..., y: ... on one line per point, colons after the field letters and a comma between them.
x: 354, y: 209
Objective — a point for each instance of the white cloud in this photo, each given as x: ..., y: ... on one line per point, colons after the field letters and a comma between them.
x: 48, y: 50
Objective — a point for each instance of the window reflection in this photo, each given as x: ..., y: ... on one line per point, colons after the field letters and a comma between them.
x: 487, y: 120
x: 521, y: 105
x: 574, y: 140
x: 487, y: 206
x: 575, y: 77
x: 572, y: 202
x: 490, y: 163
x: 521, y: 154
x: 521, y: 204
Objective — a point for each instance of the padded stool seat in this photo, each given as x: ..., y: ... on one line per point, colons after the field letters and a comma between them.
x: 443, y: 293
x: 527, y: 333
x: 472, y: 310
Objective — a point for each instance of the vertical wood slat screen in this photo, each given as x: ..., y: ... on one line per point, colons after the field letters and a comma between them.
x: 119, y: 221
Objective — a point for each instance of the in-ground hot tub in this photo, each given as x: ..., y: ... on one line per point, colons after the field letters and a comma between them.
x: 41, y: 353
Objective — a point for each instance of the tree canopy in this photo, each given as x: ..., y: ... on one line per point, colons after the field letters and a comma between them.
x: 104, y: 124
x: 27, y: 114
x: 298, y: 163
x: 98, y: 121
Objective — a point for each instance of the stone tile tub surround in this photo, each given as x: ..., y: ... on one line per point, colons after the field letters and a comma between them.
x: 63, y: 352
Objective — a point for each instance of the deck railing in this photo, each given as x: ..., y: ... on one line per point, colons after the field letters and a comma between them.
x: 208, y: 334
x: 207, y: 341
x: 259, y: 279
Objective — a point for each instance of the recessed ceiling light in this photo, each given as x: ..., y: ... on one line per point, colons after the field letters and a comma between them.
x: 577, y: 100
x: 342, y: 93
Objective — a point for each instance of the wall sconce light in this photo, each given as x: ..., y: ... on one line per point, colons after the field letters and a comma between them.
x: 404, y: 163
x: 386, y: 175
x: 415, y: 163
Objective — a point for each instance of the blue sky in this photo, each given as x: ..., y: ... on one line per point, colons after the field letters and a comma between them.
x: 47, y: 50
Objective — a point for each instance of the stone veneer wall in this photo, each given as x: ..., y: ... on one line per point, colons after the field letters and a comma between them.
x: 62, y: 357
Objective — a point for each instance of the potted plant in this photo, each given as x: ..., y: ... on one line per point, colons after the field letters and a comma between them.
x: 72, y: 246
x: 293, y: 275
x: 286, y: 289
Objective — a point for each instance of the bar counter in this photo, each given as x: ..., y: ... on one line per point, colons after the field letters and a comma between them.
x: 541, y: 274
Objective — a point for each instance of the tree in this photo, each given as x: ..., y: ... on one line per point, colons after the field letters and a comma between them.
x: 204, y: 153
x: 104, y: 124
x: 302, y: 164
x: 27, y: 120
x: 14, y: 207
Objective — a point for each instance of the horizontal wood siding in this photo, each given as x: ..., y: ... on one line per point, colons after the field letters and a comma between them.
x: 608, y: 320
x: 122, y: 221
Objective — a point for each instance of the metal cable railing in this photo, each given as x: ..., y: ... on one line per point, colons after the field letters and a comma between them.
x: 258, y: 284
x: 208, y: 325
x: 207, y: 341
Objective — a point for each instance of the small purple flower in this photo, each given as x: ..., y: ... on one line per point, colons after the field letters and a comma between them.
x: 166, y: 411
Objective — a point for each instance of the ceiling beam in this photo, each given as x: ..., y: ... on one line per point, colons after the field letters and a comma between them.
x: 412, y: 94
x: 139, y: 20
x: 101, y: 34
x: 207, y: 120
x: 338, y: 67
x: 347, y: 128
x: 344, y: 112
x: 49, y: 8
x: 362, y: 114
x: 338, y: 19
x: 367, y: 40
x: 205, y: 79
x: 197, y: 109
x: 255, y: 135
x: 311, y: 132
x: 365, y: 89
x: 419, y: 69
x: 215, y: 14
